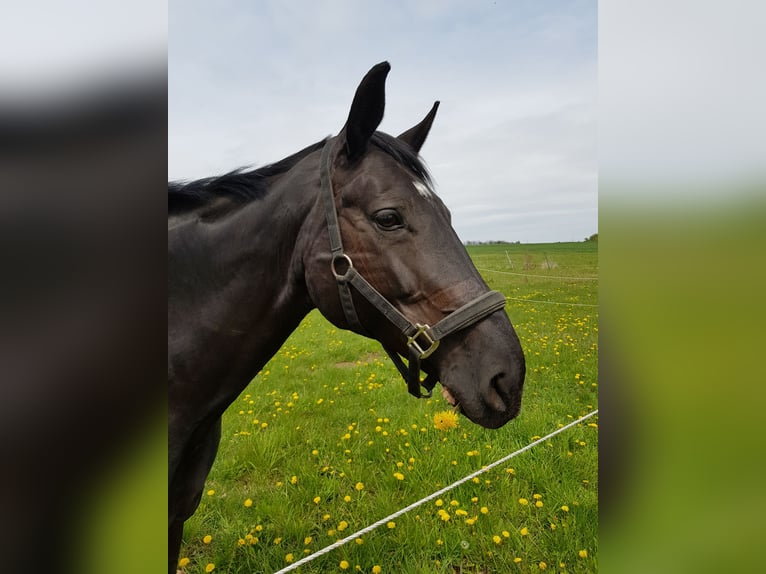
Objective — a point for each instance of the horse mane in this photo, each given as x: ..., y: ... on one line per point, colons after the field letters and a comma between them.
x: 240, y: 186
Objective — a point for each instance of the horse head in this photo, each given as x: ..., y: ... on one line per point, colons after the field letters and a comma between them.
x: 397, y: 235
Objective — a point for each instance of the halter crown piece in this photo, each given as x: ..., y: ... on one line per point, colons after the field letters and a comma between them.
x: 422, y: 339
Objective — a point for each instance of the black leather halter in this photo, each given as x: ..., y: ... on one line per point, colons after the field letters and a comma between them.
x: 422, y: 339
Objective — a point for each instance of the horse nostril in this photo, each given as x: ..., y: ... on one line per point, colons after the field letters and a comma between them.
x: 496, y: 396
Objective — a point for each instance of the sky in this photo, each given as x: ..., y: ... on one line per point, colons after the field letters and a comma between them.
x: 513, y: 149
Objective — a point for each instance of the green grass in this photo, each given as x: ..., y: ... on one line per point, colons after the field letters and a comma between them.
x: 330, y: 411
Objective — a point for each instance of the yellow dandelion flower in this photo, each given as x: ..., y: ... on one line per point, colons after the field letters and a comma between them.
x: 241, y: 542
x: 398, y: 476
x: 539, y: 503
x: 391, y: 524
x: 542, y: 565
x: 207, y: 539
x: 537, y: 496
x: 565, y: 508
x: 259, y: 528
x: 444, y: 515
x: 445, y: 420
x: 523, y: 501
x: 317, y: 500
x: 248, y: 503
x: 210, y: 567
x: 439, y: 502
x: 343, y: 564
x: 359, y: 486
x: 289, y: 557
x: 376, y: 569
x: 517, y: 560
x: 506, y: 534
x: 583, y: 553
x: 342, y: 525
x: 294, y: 480
x: 277, y: 540
x: 484, y: 510
x: 210, y: 492
x: 496, y: 539
x: 359, y: 541
x: 524, y: 531
x: 183, y: 562
x: 307, y: 540
x: 347, y: 498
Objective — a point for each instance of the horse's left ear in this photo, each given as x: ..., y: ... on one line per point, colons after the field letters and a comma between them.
x: 366, y: 111
x: 416, y: 136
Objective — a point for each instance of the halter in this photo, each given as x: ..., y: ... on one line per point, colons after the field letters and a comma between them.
x: 422, y: 339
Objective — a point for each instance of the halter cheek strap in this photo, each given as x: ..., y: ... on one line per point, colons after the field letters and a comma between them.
x: 422, y: 339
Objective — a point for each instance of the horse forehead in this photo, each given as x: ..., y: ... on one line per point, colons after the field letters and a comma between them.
x: 423, y: 188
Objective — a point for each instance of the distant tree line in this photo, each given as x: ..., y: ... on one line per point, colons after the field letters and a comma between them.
x: 593, y: 237
x: 493, y: 242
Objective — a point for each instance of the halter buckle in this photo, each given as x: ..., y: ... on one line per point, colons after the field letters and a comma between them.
x: 413, y: 343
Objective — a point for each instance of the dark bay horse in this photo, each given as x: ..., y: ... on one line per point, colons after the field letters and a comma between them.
x: 351, y: 226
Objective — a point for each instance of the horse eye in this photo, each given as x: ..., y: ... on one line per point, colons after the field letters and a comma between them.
x: 388, y: 219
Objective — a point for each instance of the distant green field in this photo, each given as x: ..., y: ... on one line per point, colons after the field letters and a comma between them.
x: 326, y: 440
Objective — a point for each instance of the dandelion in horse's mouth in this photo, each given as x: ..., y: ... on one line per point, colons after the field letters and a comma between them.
x: 445, y: 420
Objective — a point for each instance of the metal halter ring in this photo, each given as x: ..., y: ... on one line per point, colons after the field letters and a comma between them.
x: 413, y: 343
x: 350, y: 263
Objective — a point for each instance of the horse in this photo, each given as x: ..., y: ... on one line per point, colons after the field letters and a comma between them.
x: 350, y: 225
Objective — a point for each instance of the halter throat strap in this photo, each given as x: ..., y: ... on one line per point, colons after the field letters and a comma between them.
x: 422, y: 339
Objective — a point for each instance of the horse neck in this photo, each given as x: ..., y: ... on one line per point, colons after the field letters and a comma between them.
x: 251, y: 292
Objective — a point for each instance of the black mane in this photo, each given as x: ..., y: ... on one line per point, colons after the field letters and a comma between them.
x: 240, y: 186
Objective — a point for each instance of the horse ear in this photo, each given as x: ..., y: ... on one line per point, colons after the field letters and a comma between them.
x: 366, y: 111
x: 416, y: 136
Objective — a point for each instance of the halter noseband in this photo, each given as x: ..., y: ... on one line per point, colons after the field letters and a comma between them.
x: 422, y: 339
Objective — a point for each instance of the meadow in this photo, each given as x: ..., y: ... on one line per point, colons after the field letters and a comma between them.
x: 326, y: 440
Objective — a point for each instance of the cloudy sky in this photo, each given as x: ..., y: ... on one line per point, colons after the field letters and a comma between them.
x: 513, y: 148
